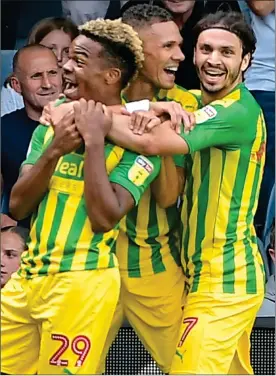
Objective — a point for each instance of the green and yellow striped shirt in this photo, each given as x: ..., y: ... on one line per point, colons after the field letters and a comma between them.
x: 148, y: 241
x: 224, y: 173
x: 61, y: 238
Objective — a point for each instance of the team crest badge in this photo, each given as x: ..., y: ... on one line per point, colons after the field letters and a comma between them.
x: 140, y: 170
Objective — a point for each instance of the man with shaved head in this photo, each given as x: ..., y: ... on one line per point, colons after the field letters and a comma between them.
x: 37, y: 78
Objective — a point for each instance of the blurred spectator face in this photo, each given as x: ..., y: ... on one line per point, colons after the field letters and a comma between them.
x: 179, y: 6
x: 59, y: 42
x: 85, y: 73
x: 12, y: 247
x: 218, y: 60
x: 161, y: 46
x: 39, y: 79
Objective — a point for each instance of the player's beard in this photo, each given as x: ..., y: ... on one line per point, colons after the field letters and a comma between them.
x: 231, y: 78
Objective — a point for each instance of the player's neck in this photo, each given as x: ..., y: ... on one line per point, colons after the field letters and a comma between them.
x: 139, y: 89
x: 207, y: 97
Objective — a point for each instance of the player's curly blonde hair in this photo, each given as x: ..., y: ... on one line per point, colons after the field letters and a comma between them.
x: 121, y: 45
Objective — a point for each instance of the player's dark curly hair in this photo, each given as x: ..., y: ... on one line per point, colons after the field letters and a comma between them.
x: 142, y: 15
x: 233, y: 22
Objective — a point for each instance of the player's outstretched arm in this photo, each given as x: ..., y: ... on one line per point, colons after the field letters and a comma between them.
x: 162, y: 140
x: 40, y: 165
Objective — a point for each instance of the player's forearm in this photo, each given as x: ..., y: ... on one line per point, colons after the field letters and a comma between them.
x: 103, y: 207
x: 32, y: 185
x: 121, y: 135
x: 261, y: 8
x: 166, y: 186
x: 162, y: 140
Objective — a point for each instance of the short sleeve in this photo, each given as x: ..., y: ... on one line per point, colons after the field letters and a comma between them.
x: 35, y: 149
x: 222, y: 125
x: 135, y: 173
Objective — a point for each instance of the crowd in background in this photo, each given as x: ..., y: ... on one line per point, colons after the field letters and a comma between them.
x: 22, y: 101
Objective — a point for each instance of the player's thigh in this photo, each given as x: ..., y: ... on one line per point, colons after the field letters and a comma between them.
x: 19, y: 334
x: 74, y: 330
x: 153, y: 307
x: 116, y: 324
x: 214, y: 325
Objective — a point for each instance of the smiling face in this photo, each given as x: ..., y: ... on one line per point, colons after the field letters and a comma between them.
x: 162, y: 49
x: 219, y: 62
x: 11, y: 248
x: 87, y: 73
x: 38, y: 78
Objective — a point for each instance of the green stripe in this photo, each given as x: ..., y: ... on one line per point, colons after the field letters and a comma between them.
x: 175, y: 225
x: 38, y: 229
x: 189, y: 198
x: 203, y: 196
x: 93, y: 252
x: 153, y: 232
x: 110, y: 243
x: 59, y: 209
x: 231, y: 230
x: 73, y: 237
x: 133, y: 253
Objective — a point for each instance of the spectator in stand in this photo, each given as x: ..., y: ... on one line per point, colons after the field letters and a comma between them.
x: 56, y: 33
x: 260, y: 80
x: 13, y: 243
x: 38, y: 79
x: 83, y: 11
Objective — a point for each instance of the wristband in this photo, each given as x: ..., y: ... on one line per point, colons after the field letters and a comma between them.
x: 143, y: 105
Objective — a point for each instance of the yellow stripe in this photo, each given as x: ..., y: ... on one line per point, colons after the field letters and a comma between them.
x: 163, y: 227
x: 185, y: 98
x: 29, y: 254
x: 104, y: 249
x: 193, y: 216
x: 46, y: 227
x: 184, y: 219
x: 240, y: 273
x: 261, y: 134
x: 142, y: 233
x: 48, y: 134
x: 69, y: 213
x: 114, y: 158
x: 208, y: 251
x: 227, y: 185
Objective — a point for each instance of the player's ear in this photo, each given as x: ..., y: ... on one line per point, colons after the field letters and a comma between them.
x: 15, y: 84
x: 245, y: 62
x: 194, y: 55
x: 112, y: 76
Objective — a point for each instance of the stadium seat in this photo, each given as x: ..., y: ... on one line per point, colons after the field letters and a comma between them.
x: 6, y: 66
